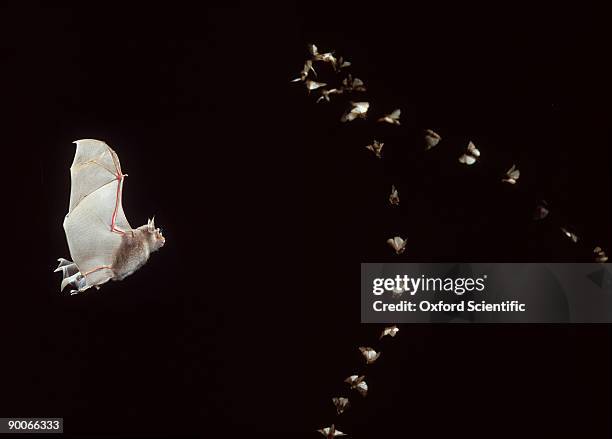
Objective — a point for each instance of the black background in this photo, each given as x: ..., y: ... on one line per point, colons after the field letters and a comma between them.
x: 247, y: 321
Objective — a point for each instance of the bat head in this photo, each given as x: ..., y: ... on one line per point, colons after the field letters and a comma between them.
x: 154, y: 235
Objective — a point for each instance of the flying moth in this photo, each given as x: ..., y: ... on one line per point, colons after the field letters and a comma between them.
x: 341, y: 404
x: 376, y: 147
x: 569, y: 234
x: 357, y: 110
x: 394, y: 196
x: 369, y: 354
x: 398, y: 244
x: 325, y: 94
x: 390, y: 331
x: 392, y: 118
x: 357, y: 383
x: 431, y: 139
x: 600, y: 255
x: 471, y: 155
x: 353, y: 84
x: 331, y: 432
x: 512, y: 175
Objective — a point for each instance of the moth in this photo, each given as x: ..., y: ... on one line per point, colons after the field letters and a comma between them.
x: 325, y: 57
x: 600, y: 255
x: 325, y: 94
x: 305, y: 70
x: 331, y: 432
x: 357, y: 383
x: 392, y: 118
x: 390, y: 331
x: 369, y: 354
x: 471, y: 155
x: 341, y: 404
x: 101, y: 241
x: 431, y: 139
x: 394, y: 197
x: 376, y: 147
x: 313, y: 85
x: 569, y: 234
x: 353, y: 84
x: 357, y: 110
x: 398, y: 244
x: 541, y: 211
x: 512, y: 175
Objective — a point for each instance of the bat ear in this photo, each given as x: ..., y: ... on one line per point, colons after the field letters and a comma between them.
x: 153, y: 222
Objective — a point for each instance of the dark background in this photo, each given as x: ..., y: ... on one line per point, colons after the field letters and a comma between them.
x: 247, y: 321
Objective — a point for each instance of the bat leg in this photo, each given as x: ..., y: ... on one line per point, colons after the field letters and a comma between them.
x: 102, y: 267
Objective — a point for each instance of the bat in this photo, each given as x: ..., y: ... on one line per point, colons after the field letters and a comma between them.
x: 394, y: 197
x: 541, y: 211
x: 369, y: 354
x: 600, y: 255
x: 471, y: 155
x: 102, y: 243
x: 376, y: 147
x: 512, y: 175
x: 325, y: 94
x: 431, y: 139
x: 353, y: 84
x: 398, y: 244
x: 357, y: 383
x: 331, y: 432
x: 357, y: 110
x: 569, y: 234
x: 341, y: 404
x: 390, y: 331
x: 392, y: 118
x: 305, y: 70
x: 342, y: 63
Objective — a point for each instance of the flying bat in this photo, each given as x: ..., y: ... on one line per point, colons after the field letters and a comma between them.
x: 569, y: 234
x: 102, y: 243
x: 357, y: 110
x: 512, y: 175
x: 357, y: 383
x: 341, y: 404
x: 376, y: 147
x: 394, y: 197
x: 390, y: 331
x: 398, y: 244
x: 431, y: 139
x: 471, y: 155
x: 392, y: 118
x: 600, y: 255
x: 342, y: 63
x: 331, y: 432
x: 369, y: 354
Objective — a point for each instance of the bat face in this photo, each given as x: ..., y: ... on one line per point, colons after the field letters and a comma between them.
x: 431, y: 139
x: 398, y: 244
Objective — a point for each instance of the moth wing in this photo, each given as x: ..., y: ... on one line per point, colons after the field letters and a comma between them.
x: 396, y: 114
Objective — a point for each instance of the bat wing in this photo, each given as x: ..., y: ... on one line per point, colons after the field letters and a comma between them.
x: 95, y: 222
